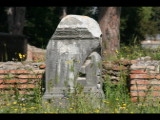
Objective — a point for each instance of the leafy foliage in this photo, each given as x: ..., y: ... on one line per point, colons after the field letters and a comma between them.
x: 139, y: 22
x: 41, y: 22
x: 3, y: 20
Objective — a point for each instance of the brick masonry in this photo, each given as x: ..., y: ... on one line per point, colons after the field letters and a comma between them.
x: 23, y: 76
x: 22, y: 80
x: 35, y: 54
x: 144, y: 79
x: 114, y: 70
x: 143, y: 76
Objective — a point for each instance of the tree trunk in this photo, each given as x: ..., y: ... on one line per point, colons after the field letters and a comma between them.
x: 109, y: 21
x: 16, y: 20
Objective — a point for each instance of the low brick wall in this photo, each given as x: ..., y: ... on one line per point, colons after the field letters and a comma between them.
x: 114, y: 70
x: 143, y: 76
x: 20, y: 80
x: 144, y: 79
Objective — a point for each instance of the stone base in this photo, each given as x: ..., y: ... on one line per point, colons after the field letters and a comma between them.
x: 150, y: 44
x: 63, y: 99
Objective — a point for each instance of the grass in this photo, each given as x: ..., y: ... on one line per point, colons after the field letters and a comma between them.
x: 117, y: 98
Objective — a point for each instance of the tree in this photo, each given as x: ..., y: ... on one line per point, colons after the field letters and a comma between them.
x: 41, y: 23
x: 156, y: 16
x: 109, y: 21
x: 146, y: 25
x: 16, y: 20
x: 136, y: 22
x: 129, y: 25
x: 3, y: 20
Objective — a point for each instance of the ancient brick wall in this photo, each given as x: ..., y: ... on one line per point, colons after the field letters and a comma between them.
x: 144, y: 79
x: 143, y: 76
x: 35, y: 54
x: 115, y: 69
x: 23, y: 78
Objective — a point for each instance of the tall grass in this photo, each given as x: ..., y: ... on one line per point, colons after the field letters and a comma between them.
x: 117, y: 98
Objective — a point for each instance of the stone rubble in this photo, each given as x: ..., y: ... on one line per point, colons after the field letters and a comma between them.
x: 11, y: 65
x: 114, y: 69
x: 35, y: 54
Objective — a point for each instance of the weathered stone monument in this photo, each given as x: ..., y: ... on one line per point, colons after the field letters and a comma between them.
x: 74, y: 57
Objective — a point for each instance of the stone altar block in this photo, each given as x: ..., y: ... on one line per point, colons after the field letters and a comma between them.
x: 74, y: 56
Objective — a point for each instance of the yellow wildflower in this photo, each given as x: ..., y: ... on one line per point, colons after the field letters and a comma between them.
x: 105, y: 101
x: 14, y: 102
x: 123, y: 108
x: 124, y: 105
x: 23, y: 56
x: 23, y: 105
x: 115, y: 110
x: 117, y: 51
x: 8, y: 104
x: 117, y: 99
x: 20, y: 55
x: 97, y: 110
x: 32, y: 107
